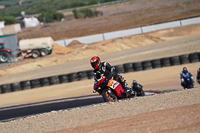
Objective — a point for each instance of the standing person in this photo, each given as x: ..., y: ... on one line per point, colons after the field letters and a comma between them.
x: 198, y: 75
x: 184, y: 75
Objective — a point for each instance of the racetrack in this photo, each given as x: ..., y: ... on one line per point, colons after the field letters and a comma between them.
x: 170, y: 112
x: 156, y: 79
x: 139, y: 113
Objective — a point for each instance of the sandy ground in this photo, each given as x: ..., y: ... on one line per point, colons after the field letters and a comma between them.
x: 186, y: 119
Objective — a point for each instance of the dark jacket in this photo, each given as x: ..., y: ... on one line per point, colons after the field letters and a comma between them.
x: 106, y: 69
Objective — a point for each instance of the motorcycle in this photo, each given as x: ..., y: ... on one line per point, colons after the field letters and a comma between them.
x: 188, y: 83
x: 138, y: 90
x: 111, y: 90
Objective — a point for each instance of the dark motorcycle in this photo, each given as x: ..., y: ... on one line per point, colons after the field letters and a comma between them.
x: 188, y: 83
x: 138, y: 90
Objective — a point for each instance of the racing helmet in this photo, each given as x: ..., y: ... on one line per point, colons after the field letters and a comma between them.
x: 184, y: 69
x: 134, y: 82
x: 95, y: 62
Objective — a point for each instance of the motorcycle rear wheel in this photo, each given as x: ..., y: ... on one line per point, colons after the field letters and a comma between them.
x: 108, y: 96
x: 141, y: 93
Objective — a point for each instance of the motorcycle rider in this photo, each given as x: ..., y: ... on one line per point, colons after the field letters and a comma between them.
x: 198, y: 75
x: 106, y: 69
x: 136, y: 85
x: 185, y: 74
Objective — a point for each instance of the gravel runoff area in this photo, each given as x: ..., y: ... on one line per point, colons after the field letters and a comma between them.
x: 71, y: 119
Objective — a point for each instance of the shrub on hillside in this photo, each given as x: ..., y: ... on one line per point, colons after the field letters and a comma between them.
x: 8, y: 20
x: 84, y: 13
x: 50, y: 16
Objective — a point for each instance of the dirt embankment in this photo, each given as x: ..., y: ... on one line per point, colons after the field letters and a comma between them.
x: 78, y: 51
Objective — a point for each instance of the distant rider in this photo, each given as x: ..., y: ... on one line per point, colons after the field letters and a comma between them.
x: 106, y: 69
x: 184, y: 75
x: 198, y: 75
x: 135, y: 86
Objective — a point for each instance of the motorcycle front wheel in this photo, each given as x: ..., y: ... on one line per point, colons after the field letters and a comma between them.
x: 108, y: 96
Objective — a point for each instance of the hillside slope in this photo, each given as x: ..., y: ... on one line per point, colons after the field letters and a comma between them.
x: 118, y: 17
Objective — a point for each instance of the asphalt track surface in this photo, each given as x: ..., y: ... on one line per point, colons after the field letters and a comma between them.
x: 13, y: 112
x: 48, y: 106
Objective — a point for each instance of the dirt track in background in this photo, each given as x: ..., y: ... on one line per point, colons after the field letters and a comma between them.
x: 141, y: 47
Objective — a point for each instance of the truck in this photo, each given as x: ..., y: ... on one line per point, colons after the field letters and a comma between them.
x: 5, y: 53
x: 36, y: 47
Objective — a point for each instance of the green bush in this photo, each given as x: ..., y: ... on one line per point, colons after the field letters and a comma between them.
x: 109, y: 0
x: 50, y: 16
x: 8, y: 20
x: 58, y: 16
x: 84, y: 13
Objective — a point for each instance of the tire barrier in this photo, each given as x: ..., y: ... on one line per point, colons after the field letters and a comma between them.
x: 25, y: 85
x: 44, y: 81
x: 63, y: 78
x: 88, y: 74
x: 174, y: 60
x: 5, y: 88
x: 119, y: 69
x: 54, y: 80
x: 128, y: 67
x: 72, y: 77
x: 184, y: 59
x: 82, y: 75
x: 35, y: 83
x: 15, y: 87
x: 137, y: 66
x: 156, y: 63
x: 146, y: 65
x: 165, y: 62
x: 193, y: 57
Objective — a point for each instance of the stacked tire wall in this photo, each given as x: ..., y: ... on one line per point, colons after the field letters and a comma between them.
x: 88, y: 74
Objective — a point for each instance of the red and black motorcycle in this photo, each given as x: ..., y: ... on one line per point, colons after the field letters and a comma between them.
x: 111, y: 90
